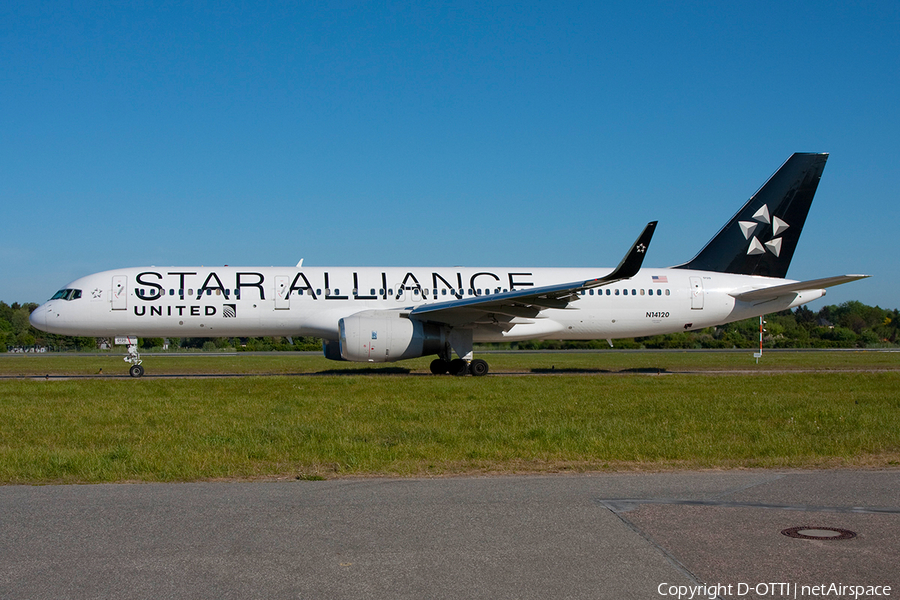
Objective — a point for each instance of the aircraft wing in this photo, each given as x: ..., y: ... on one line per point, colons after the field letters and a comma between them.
x: 499, y: 309
x: 770, y: 293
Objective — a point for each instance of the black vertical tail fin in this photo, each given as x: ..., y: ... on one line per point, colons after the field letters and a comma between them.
x: 761, y: 238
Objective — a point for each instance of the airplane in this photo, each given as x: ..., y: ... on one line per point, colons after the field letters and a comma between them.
x: 376, y: 315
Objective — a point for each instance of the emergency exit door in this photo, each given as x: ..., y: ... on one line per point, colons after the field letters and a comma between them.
x: 119, y: 292
x: 282, y: 293
x: 696, y: 293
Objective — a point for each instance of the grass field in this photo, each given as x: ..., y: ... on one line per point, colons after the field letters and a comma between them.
x: 358, y: 423
x: 288, y: 363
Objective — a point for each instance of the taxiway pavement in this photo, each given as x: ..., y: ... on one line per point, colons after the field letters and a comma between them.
x: 592, y: 536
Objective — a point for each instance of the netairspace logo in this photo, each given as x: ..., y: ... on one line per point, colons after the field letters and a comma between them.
x: 773, y: 590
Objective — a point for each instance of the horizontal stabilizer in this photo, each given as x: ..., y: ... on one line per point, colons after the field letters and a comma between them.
x: 797, y: 286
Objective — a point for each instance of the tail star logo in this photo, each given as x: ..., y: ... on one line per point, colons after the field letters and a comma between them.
x: 761, y: 217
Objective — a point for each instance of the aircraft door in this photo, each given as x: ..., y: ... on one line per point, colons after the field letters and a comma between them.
x: 119, y: 292
x: 696, y: 293
x: 282, y: 292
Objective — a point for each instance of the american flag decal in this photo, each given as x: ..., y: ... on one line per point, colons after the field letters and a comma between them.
x: 229, y: 311
x: 660, y: 279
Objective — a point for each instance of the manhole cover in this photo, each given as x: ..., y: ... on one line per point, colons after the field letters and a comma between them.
x: 818, y: 533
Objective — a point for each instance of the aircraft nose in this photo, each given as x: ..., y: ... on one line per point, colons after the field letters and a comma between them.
x: 38, y: 318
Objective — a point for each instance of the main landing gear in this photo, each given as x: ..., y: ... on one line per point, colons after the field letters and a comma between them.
x: 136, y: 370
x: 459, y: 367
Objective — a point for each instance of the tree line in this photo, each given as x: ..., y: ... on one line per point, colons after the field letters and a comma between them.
x: 848, y: 325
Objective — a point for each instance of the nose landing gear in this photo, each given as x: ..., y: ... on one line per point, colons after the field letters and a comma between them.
x: 134, y: 357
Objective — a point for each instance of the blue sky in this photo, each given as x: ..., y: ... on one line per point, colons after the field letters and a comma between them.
x: 483, y: 134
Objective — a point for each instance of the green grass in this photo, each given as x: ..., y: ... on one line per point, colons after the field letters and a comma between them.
x: 108, y: 429
x: 285, y: 363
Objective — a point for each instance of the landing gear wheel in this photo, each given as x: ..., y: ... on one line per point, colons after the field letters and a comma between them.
x: 478, y: 367
x: 459, y: 367
x: 440, y: 367
x: 136, y: 371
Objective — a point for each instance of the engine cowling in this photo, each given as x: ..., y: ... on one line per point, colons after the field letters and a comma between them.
x: 388, y: 338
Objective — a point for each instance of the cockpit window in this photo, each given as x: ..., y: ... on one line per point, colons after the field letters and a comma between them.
x: 67, y: 294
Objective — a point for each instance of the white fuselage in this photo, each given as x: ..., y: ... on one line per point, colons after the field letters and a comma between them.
x: 292, y: 301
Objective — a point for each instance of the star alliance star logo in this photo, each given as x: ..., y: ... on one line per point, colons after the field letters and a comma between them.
x: 640, y: 248
x: 96, y: 293
x: 762, y: 217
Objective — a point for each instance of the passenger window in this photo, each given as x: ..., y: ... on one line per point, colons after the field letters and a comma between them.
x: 625, y: 292
x: 617, y: 292
x: 650, y: 292
x: 642, y: 291
x: 667, y: 292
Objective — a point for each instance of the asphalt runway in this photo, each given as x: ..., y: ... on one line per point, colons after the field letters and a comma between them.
x: 594, y: 536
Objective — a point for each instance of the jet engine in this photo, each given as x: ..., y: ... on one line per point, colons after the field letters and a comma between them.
x: 379, y: 337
